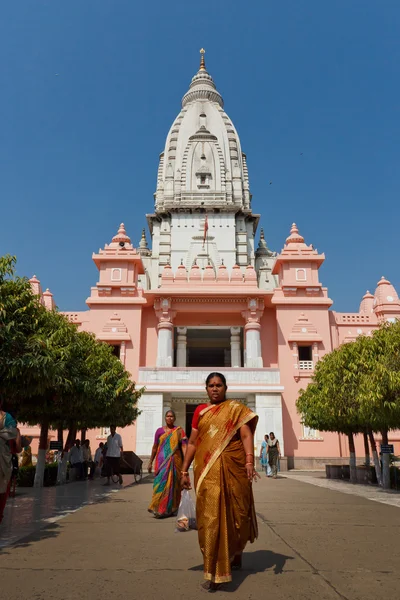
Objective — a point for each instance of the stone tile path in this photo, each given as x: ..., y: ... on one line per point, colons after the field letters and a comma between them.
x: 34, y: 509
x: 373, y: 493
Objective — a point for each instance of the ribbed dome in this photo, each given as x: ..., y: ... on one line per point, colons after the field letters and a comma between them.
x: 203, y: 163
x: 385, y: 294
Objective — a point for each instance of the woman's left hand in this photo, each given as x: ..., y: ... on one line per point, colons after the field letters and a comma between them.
x: 252, y: 474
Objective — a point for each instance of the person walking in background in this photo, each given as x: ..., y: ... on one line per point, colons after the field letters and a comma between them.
x: 10, y: 441
x: 26, y: 458
x: 169, y: 448
x: 87, y: 460
x: 98, y: 458
x: 274, y: 453
x: 113, y: 457
x: 222, y: 443
x: 264, y: 456
x: 103, y: 461
x: 76, y: 459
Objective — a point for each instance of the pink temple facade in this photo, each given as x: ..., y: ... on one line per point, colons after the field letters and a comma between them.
x: 205, y: 296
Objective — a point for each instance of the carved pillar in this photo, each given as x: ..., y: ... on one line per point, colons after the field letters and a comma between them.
x: 165, y: 328
x: 252, y: 333
x: 122, y: 355
x: 315, y: 353
x: 295, y: 355
x: 236, y: 355
x: 181, y: 347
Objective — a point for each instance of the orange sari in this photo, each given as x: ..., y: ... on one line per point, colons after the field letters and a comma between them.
x: 226, y: 516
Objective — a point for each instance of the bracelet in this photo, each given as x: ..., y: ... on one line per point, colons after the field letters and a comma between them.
x: 248, y: 454
x: 184, y: 473
x: 250, y: 464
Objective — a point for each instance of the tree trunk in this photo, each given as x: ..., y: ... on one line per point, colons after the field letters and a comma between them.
x: 385, y: 462
x: 375, y: 457
x: 70, y: 438
x: 63, y: 464
x: 83, y: 435
x: 352, y: 449
x: 60, y: 436
x: 366, y: 450
x: 41, y: 461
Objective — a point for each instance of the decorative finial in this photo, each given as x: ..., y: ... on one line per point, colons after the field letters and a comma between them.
x: 294, y: 237
x: 262, y: 233
x: 143, y: 241
x: 222, y: 261
x: 181, y: 262
x: 202, y: 61
x: 121, y: 235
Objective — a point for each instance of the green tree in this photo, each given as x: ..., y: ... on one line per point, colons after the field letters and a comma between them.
x: 330, y: 402
x: 379, y: 390
x: 52, y: 374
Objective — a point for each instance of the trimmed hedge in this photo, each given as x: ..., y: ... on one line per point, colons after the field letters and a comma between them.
x: 26, y: 475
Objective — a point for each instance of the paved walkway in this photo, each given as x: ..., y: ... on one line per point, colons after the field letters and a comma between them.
x: 314, y: 544
x: 370, y: 492
x: 34, y: 509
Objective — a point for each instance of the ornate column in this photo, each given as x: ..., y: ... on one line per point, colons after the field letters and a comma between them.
x: 252, y: 332
x: 315, y: 353
x: 122, y: 355
x: 165, y: 328
x: 181, y: 347
x: 236, y: 355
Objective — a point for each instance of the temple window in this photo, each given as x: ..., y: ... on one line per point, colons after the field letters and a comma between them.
x: 301, y: 275
x: 305, y: 358
x: 116, y: 350
x: 116, y: 274
x: 309, y: 433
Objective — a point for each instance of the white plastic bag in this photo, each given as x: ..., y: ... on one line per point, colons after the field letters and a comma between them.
x: 186, y: 518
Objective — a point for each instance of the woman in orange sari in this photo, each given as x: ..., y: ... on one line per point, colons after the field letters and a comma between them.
x: 222, y: 445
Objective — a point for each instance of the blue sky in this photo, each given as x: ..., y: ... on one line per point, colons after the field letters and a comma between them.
x: 90, y: 89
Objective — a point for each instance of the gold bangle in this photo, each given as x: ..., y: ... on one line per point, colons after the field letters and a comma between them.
x: 251, y: 464
x: 184, y: 473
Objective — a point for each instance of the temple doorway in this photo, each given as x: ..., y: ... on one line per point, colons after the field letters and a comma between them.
x: 208, y: 347
x: 190, y: 408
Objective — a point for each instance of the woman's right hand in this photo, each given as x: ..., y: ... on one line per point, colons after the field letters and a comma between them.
x: 185, y: 482
x: 150, y: 467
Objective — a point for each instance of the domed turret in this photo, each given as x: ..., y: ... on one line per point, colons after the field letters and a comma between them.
x: 181, y: 273
x: 386, y: 302
x: 367, y: 304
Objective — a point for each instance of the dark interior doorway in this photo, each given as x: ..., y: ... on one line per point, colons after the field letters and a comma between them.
x: 190, y: 408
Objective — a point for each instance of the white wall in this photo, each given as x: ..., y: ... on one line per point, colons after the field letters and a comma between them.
x: 269, y: 410
x: 150, y: 419
x: 221, y: 238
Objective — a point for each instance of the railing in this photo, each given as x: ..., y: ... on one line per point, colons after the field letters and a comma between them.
x: 354, y: 318
x: 306, y: 365
x: 197, y: 376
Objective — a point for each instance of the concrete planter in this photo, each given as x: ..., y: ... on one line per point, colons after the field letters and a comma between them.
x: 365, y: 475
x: 334, y: 471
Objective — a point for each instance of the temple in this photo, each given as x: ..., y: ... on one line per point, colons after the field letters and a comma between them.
x: 205, y: 293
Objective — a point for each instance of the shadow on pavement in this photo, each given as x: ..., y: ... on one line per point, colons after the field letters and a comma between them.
x: 34, y: 516
x: 253, y: 562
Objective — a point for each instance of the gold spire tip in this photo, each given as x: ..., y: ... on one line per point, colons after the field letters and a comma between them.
x: 202, y: 61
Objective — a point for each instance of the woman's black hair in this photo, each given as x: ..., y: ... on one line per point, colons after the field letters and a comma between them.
x: 170, y: 411
x: 216, y: 374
